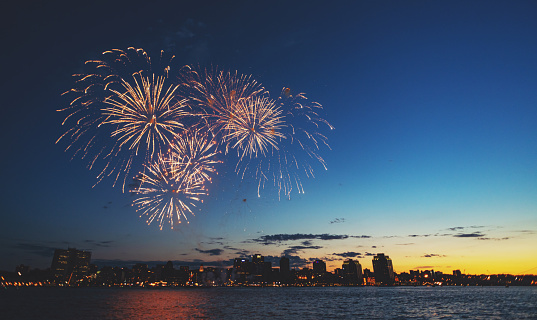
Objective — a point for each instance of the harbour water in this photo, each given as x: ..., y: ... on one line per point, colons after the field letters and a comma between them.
x: 270, y: 303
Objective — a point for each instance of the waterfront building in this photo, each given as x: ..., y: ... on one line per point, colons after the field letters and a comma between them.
x: 242, y: 268
x: 258, y: 266
x: 383, y: 270
x: 319, y: 267
x: 285, y: 271
x: 70, y: 265
x: 141, y: 273
x: 352, y: 272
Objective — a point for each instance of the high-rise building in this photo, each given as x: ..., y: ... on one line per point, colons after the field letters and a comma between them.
x: 285, y: 271
x: 383, y: 269
x: 319, y: 267
x: 258, y: 268
x: 258, y: 258
x: 352, y: 272
x: 70, y: 265
x: 242, y: 269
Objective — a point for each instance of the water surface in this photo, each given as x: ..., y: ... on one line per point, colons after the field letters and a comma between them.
x: 275, y: 303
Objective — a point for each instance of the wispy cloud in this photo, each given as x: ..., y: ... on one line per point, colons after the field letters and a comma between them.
x: 95, y: 243
x: 433, y: 255
x: 337, y: 220
x: 276, y: 238
x: 294, y: 249
x: 527, y: 231
x: 424, y: 267
x: 462, y: 228
x: 496, y: 239
x: 469, y: 235
x: 40, y: 250
x: 348, y: 254
x: 211, y: 252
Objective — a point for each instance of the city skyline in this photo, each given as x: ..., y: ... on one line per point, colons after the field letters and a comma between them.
x: 72, y: 268
x: 433, y: 159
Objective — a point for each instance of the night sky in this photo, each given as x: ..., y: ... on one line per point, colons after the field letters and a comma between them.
x: 434, y: 152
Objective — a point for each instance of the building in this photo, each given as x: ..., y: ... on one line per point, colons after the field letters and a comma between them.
x: 383, y: 270
x: 242, y: 268
x: 319, y: 267
x: 70, y: 265
x: 285, y: 271
x: 261, y: 269
x: 258, y: 265
x: 352, y: 272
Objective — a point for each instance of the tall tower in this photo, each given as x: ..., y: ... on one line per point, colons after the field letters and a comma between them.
x: 70, y: 265
x: 258, y: 267
x: 383, y: 269
x: 319, y: 267
x: 352, y: 272
x: 285, y: 272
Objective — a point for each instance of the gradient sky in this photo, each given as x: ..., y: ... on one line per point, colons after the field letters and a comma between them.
x: 433, y: 160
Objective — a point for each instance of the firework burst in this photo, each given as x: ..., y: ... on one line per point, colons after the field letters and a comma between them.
x: 253, y: 127
x: 146, y: 111
x: 298, y: 145
x: 124, y: 104
x: 194, y: 154
x: 173, y: 124
x: 217, y: 95
x: 167, y: 195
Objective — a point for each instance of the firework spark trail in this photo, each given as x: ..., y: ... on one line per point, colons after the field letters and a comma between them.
x: 145, y: 110
x: 194, y: 154
x: 254, y: 127
x: 121, y: 105
x: 167, y: 196
x: 217, y: 95
x: 298, y: 145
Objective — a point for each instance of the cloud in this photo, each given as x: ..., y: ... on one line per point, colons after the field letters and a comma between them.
x: 496, y: 239
x: 462, y: 228
x: 211, y: 252
x: 527, y: 231
x: 361, y: 237
x: 104, y: 244
x: 405, y: 244
x: 213, y: 241
x: 239, y: 252
x: 337, y: 220
x: 469, y: 235
x: 271, y: 239
x: 432, y: 255
x: 40, y: 250
x: 348, y: 254
x: 369, y: 254
x: 424, y: 267
x: 295, y: 249
x: 297, y: 261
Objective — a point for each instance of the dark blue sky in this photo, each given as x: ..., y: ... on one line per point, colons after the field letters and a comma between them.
x: 434, y: 105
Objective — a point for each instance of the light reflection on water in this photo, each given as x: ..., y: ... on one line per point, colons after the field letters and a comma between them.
x: 278, y: 303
